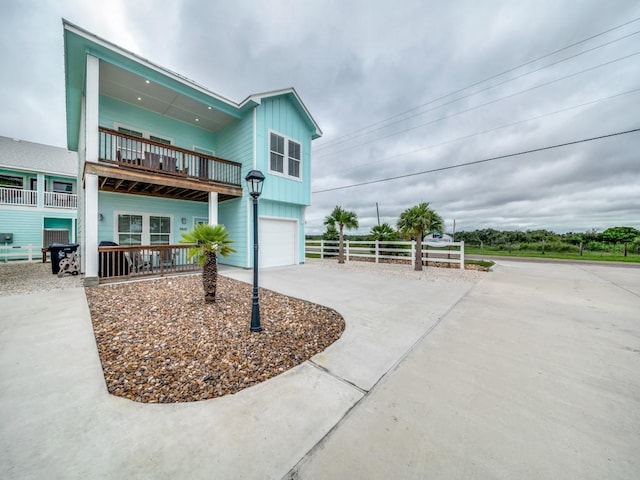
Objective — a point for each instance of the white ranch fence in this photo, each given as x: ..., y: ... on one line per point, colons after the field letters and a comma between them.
x: 19, y: 252
x: 383, y: 251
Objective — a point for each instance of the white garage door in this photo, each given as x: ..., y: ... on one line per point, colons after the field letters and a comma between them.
x: 278, y: 242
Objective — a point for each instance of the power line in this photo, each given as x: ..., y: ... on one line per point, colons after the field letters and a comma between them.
x: 503, y: 82
x: 495, y: 100
x: 327, y: 145
x: 485, y: 160
x: 466, y: 137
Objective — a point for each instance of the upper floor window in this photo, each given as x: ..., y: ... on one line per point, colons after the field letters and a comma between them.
x: 62, y: 187
x: 11, y: 181
x: 284, y: 156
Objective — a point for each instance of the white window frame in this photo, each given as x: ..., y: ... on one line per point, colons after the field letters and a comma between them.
x: 146, y: 225
x: 286, y: 159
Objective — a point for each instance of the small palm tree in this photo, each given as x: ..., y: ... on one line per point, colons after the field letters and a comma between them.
x: 384, y: 232
x: 343, y: 218
x: 209, y: 241
x: 417, y: 221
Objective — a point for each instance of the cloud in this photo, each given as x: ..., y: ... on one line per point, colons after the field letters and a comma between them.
x: 387, y: 82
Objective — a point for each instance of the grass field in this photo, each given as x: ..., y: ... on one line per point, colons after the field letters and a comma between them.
x: 597, y: 256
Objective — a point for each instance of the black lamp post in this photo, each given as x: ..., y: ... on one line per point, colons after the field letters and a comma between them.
x: 254, y: 182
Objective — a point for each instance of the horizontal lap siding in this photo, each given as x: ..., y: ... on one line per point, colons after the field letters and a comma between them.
x: 235, y: 142
x: 183, y: 134
x: 110, y: 203
x: 27, y: 224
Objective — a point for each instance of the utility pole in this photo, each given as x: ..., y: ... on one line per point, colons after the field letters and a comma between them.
x: 378, y: 213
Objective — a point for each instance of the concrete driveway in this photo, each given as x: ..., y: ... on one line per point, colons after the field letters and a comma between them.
x: 534, y: 372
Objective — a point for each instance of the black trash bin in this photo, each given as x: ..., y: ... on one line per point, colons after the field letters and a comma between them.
x: 112, y: 264
x: 58, y: 252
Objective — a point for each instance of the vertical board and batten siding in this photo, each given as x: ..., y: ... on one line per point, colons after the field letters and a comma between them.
x: 277, y: 114
x: 182, y: 134
x: 235, y: 142
x: 110, y: 203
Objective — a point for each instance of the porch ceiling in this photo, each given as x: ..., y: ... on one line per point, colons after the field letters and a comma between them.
x: 122, y: 180
x: 128, y: 87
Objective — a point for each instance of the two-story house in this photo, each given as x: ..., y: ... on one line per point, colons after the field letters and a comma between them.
x: 38, y: 195
x: 159, y: 153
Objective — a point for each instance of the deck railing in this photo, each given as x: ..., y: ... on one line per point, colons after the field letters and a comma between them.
x: 60, y: 200
x: 126, y: 262
x: 17, y: 196
x: 29, y: 198
x: 383, y: 251
x: 152, y: 156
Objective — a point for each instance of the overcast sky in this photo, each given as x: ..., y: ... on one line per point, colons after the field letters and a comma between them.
x: 398, y: 87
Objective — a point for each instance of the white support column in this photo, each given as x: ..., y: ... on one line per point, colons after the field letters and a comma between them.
x: 462, y: 255
x: 91, y: 229
x: 213, y: 208
x: 91, y: 110
x: 41, y: 188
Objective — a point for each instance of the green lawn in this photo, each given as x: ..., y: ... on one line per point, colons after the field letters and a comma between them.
x: 598, y: 256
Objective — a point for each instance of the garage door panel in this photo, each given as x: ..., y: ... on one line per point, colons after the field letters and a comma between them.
x: 278, y: 242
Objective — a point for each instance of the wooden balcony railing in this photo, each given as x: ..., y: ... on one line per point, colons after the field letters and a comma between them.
x: 148, y: 155
x: 126, y: 262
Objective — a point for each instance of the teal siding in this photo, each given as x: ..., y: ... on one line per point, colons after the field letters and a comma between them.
x: 183, y: 134
x: 110, y: 203
x: 279, y: 115
x: 233, y: 215
x: 235, y: 142
x: 27, y: 224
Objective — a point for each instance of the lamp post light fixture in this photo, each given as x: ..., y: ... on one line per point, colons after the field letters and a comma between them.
x: 254, y: 183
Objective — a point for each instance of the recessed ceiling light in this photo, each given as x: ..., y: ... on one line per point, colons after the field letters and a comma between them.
x: 197, y: 119
x: 147, y: 81
x: 209, y: 108
x: 139, y: 99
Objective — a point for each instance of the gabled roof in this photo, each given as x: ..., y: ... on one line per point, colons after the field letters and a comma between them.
x: 78, y: 42
x: 35, y: 157
x: 256, y: 98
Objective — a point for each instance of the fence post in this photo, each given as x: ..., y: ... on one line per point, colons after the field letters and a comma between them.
x: 413, y: 252
x: 462, y: 255
x: 321, y: 249
x: 347, y: 250
x: 30, y: 247
x: 377, y: 251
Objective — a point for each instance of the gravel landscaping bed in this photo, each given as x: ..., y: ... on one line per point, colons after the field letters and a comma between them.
x: 159, y: 341
x: 17, y: 278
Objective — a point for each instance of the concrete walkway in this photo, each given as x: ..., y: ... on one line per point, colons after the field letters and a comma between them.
x: 532, y: 373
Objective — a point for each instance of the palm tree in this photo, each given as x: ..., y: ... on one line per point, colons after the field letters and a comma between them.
x: 209, y: 241
x: 384, y: 232
x: 415, y: 222
x: 344, y: 218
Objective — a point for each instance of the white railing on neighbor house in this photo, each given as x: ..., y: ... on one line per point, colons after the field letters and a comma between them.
x: 29, y: 198
x: 60, y: 200
x: 18, y: 252
x: 17, y: 196
x: 383, y: 251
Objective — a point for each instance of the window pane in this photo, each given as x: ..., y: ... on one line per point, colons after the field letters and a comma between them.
x: 277, y: 143
x: 62, y: 187
x: 159, y: 225
x: 294, y: 168
x: 9, y: 181
x: 130, y: 223
x: 159, y: 239
x: 128, y: 239
x: 294, y: 150
x: 277, y: 162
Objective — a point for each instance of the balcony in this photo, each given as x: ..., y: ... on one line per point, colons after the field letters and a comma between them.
x: 130, y: 164
x: 29, y: 198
